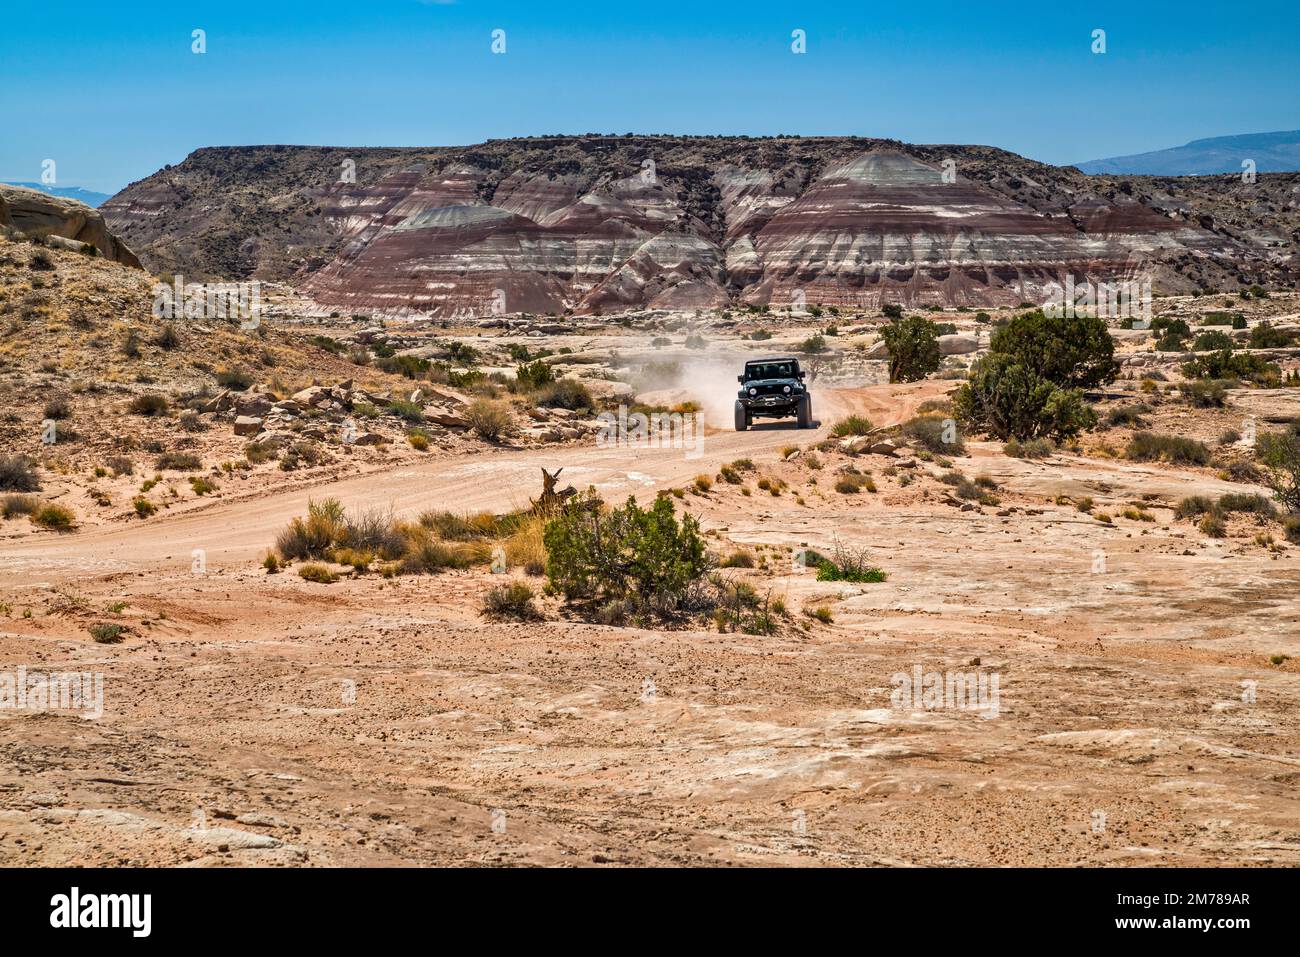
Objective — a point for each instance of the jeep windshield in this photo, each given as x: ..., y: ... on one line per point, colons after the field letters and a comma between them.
x: 770, y: 370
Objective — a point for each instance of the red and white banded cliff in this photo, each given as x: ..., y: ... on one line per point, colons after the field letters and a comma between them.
x: 603, y: 224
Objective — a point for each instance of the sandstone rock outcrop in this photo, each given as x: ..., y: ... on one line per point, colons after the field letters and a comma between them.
x: 40, y: 215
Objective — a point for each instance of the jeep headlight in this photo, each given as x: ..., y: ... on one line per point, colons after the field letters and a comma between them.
x: 753, y: 392
x: 787, y: 390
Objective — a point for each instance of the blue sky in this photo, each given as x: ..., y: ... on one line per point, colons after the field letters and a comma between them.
x: 112, y: 92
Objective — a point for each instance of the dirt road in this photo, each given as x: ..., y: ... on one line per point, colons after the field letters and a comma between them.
x: 237, y: 530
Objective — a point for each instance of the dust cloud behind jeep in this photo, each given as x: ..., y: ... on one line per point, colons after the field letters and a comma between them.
x: 773, y: 388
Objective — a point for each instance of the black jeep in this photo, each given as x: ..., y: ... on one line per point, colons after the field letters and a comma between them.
x: 773, y: 388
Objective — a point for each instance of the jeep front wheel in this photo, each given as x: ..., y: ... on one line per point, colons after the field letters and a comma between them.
x: 742, y: 418
x: 805, y: 412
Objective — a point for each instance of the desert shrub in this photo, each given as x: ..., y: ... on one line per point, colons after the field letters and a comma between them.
x: 107, y: 633
x: 406, y: 410
x: 462, y: 353
x: 426, y: 555
x: 419, y: 439
x: 120, y: 465
x: 1268, y: 336
x: 143, y: 507
x: 1235, y: 320
x: 852, y: 425
x: 1147, y: 447
x: 937, y: 433
x: 525, y: 545
x: 1205, y: 393
x: 488, y: 418
x: 1291, y: 529
x: 1011, y: 401
x: 1279, y: 453
x: 235, y: 379
x: 566, y: 394
x: 1212, y: 525
x: 703, y: 483
x: 740, y: 558
x: 311, y: 537
x: 1171, y: 342
x: 1242, y: 471
x: 1072, y: 352
x: 1226, y: 364
x: 1194, y: 506
x: 179, y: 462
x: 846, y: 564
x: 645, y: 556
x: 964, y: 488
x: 329, y: 345
x: 848, y: 484
x: 302, y: 453
x: 1171, y: 325
x: 934, y: 405
x: 739, y: 608
x: 256, y: 454
x: 534, y: 375
x: 18, y: 474
x: 57, y: 517
x: 1212, y: 341
x: 151, y: 403
x: 1247, y: 502
x: 510, y: 601
x: 201, y: 485
x: 729, y: 475
x: 466, y: 527
x: 1129, y: 415
x: 315, y: 572
x: 913, y: 345
x: 167, y: 338
x: 370, y: 530
x: 14, y: 505
x: 892, y: 310
x: 57, y: 409
x: 413, y: 367
x: 820, y: 613
x: 191, y: 421
x: 813, y: 345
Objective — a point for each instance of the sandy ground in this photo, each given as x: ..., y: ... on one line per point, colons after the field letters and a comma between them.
x: 254, y: 720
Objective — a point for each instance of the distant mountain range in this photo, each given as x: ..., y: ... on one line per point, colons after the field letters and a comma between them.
x: 87, y: 196
x: 605, y: 224
x: 1271, y: 152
